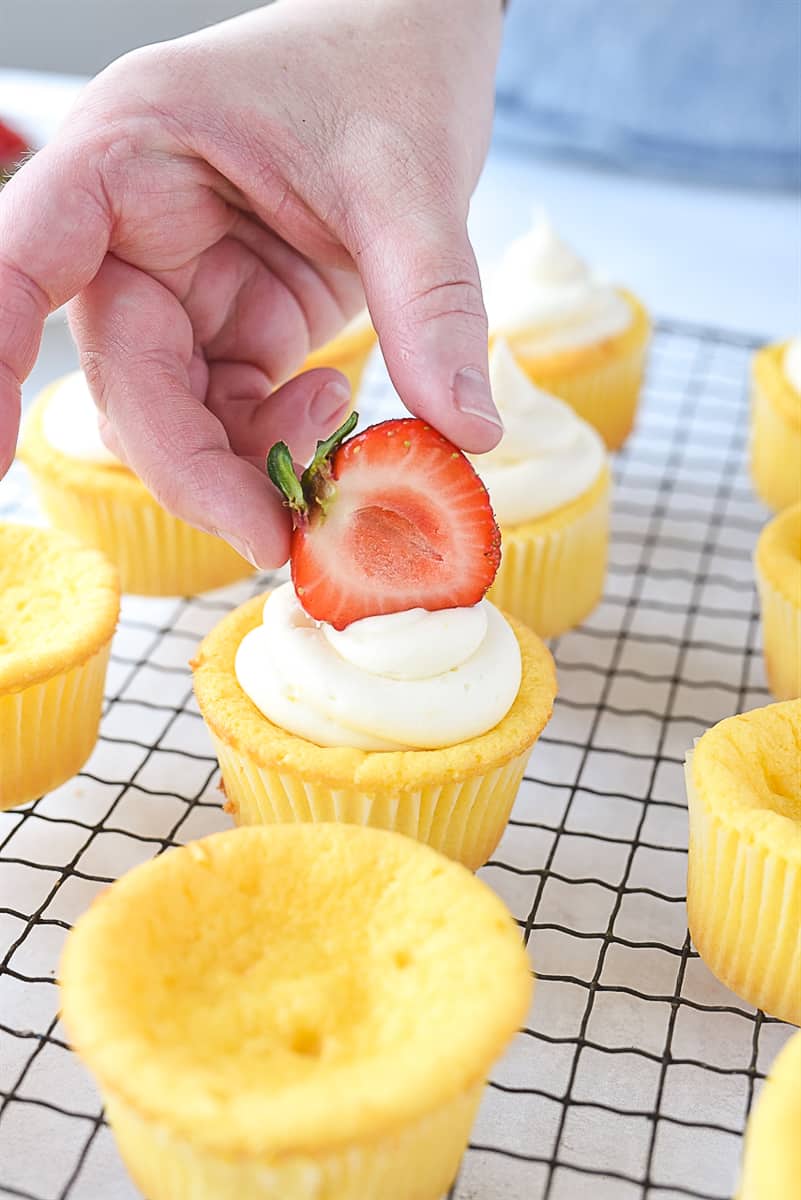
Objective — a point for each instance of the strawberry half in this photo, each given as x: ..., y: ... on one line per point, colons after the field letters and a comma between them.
x: 393, y: 519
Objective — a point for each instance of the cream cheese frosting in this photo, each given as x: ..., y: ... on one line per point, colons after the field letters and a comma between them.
x: 412, y: 680
x: 548, y: 454
x: 546, y: 299
x: 69, y: 422
x: 791, y: 362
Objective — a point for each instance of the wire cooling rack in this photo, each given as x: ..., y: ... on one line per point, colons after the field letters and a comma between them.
x: 636, y: 1069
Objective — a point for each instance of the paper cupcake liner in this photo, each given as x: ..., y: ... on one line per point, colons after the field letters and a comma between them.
x: 48, y: 730
x: 464, y: 820
x: 156, y: 553
x: 781, y: 640
x: 554, y: 580
x: 775, y: 450
x: 419, y: 1160
x: 744, y: 912
x: 772, y: 1155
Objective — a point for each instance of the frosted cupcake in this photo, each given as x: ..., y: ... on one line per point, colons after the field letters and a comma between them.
x: 88, y: 492
x: 302, y: 1012
x: 549, y: 484
x: 744, y: 872
x: 348, y: 352
x: 576, y: 336
x: 778, y: 572
x: 776, y: 423
x: 772, y: 1153
x: 353, y: 693
x: 59, y: 603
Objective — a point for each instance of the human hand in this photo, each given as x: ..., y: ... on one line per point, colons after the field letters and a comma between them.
x: 215, y: 206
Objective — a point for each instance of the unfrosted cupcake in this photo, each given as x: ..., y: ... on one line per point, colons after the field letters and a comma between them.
x: 778, y: 572
x: 379, y: 687
x: 59, y: 604
x: 88, y: 492
x: 772, y: 1152
x: 744, y: 873
x: 298, y: 1013
x: 348, y: 352
x: 549, y: 484
x: 576, y: 336
x: 776, y: 423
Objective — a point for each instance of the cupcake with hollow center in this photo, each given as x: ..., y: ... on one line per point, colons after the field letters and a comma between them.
x: 744, y: 867
x: 549, y: 484
x: 379, y: 687
x: 576, y: 336
x: 59, y: 604
x: 294, y: 1013
x: 778, y: 571
x: 88, y: 492
x: 776, y: 423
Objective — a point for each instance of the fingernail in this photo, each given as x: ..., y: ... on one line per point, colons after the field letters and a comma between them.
x: 329, y: 403
x: 241, y: 547
x: 472, y: 396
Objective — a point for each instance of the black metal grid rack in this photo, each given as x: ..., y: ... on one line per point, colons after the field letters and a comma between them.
x: 635, y: 1072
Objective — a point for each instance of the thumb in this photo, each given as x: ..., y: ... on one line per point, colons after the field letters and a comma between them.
x: 424, y: 294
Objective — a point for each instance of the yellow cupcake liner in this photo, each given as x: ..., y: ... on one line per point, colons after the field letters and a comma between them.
x: 49, y: 729
x: 775, y: 432
x: 602, y: 383
x: 418, y: 1162
x: 744, y: 911
x: 552, y: 573
x: 156, y: 553
x: 772, y: 1152
x: 781, y: 640
x: 463, y: 819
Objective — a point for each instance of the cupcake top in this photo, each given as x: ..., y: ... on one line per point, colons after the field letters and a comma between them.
x: 69, y: 422
x: 746, y: 771
x: 545, y: 299
x: 291, y: 989
x: 791, y: 362
x: 778, y: 553
x: 59, y: 603
x: 772, y: 1160
x: 548, y: 454
x: 409, y: 680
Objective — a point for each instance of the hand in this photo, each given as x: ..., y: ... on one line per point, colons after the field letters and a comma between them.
x: 219, y: 205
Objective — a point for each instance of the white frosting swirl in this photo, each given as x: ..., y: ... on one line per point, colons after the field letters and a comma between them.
x: 791, y: 362
x: 69, y: 422
x: 545, y: 298
x: 413, y: 680
x: 548, y: 454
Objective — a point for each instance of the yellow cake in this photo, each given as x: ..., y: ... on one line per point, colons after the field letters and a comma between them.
x: 778, y: 572
x: 348, y: 352
x: 775, y: 429
x: 457, y: 799
x: 106, y: 506
x: 744, y: 875
x: 305, y: 1012
x: 59, y: 604
x: 772, y: 1154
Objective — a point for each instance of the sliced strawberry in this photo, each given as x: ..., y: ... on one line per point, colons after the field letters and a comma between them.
x: 393, y: 519
x: 12, y: 146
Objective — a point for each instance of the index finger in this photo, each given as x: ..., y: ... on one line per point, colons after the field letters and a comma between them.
x: 54, y: 233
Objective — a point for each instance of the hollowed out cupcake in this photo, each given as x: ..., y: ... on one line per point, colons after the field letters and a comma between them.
x: 776, y: 423
x: 87, y: 492
x: 576, y: 336
x: 549, y: 484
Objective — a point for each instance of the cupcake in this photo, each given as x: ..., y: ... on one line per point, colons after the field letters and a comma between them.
x: 778, y: 571
x: 577, y: 337
x: 776, y: 423
x: 379, y: 687
x: 744, y: 875
x: 59, y: 604
x: 296, y: 1013
x: 549, y: 484
x: 772, y: 1153
x: 348, y: 352
x: 86, y: 491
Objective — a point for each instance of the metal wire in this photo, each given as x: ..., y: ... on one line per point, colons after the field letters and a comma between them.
x: 636, y: 1071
